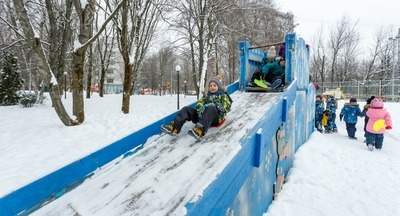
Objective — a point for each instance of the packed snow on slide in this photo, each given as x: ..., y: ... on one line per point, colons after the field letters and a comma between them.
x: 163, y: 176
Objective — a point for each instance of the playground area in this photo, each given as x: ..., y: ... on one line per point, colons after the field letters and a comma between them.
x: 388, y: 90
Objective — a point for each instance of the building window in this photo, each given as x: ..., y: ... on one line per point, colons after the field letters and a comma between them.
x: 110, y: 71
x: 110, y: 80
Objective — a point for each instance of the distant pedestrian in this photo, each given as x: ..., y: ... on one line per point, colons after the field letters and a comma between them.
x: 379, y: 121
x: 349, y: 114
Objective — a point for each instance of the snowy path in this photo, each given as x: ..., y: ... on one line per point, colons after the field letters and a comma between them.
x: 333, y: 175
x: 162, y: 177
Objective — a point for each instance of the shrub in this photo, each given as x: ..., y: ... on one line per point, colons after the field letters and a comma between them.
x: 27, y: 99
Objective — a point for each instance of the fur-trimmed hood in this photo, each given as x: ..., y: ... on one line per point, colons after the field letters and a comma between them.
x: 351, y: 104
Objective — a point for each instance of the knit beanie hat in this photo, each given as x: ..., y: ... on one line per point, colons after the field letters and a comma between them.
x: 219, y: 77
x: 319, y: 96
x: 216, y: 81
x: 353, y: 100
x: 370, y: 99
x: 377, y: 103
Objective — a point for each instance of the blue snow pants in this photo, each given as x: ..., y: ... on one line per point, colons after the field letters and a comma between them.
x: 351, y: 129
x: 375, y: 138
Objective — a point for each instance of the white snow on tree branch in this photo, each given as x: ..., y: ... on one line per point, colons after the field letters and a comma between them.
x: 83, y: 4
x: 77, y: 45
x: 132, y: 55
x: 53, y: 79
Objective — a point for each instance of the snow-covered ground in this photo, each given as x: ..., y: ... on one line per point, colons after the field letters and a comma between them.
x: 332, y: 175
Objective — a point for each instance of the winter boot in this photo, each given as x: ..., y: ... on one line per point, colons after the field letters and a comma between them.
x: 197, y: 132
x: 251, y: 84
x: 334, y: 130
x: 170, y: 129
x: 276, y: 83
x: 370, y: 147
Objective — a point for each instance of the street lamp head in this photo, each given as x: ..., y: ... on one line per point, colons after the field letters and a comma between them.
x: 65, y: 73
x: 178, y: 68
x: 185, y: 81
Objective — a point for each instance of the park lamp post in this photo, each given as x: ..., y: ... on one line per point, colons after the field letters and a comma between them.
x: 185, y: 88
x: 65, y: 84
x: 178, y: 69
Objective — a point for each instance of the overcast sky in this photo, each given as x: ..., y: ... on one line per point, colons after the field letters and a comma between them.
x: 311, y: 14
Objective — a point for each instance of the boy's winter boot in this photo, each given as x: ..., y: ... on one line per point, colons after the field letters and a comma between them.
x: 170, y: 129
x: 197, y: 132
x: 251, y: 84
x: 276, y: 83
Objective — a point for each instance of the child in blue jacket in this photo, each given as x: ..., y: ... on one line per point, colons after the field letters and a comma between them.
x: 319, y: 109
x: 349, y: 112
x: 331, y: 106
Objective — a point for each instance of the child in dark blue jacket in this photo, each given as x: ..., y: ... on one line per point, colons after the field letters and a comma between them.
x: 349, y: 112
x: 319, y: 109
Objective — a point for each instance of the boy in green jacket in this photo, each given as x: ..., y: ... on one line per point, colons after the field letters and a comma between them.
x: 210, y: 110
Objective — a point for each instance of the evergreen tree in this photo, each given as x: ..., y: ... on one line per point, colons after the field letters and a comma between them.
x: 10, y: 80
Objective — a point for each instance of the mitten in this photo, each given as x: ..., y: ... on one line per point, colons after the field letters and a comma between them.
x: 341, y: 117
x: 388, y: 127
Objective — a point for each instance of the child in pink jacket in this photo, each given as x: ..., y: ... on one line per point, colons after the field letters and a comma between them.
x: 379, y: 121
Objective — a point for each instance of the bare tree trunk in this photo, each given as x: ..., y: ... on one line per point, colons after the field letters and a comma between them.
x: 90, y: 72
x: 126, y: 41
x: 77, y: 84
x: 36, y: 45
x: 102, y: 77
x: 86, y: 16
x: 127, y: 88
